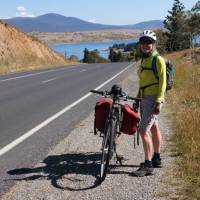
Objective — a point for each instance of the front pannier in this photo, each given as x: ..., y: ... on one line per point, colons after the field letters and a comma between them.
x: 130, y: 120
x: 102, y: 109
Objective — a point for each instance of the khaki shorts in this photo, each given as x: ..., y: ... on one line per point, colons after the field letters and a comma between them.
x: 148, y: 119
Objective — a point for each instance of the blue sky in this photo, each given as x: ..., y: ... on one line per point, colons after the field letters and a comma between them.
x: 116, y: 12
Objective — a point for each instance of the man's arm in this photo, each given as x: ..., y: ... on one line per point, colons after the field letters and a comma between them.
x: 161, y: 68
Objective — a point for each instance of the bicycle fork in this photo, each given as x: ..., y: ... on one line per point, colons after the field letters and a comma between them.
x: 116, y: 136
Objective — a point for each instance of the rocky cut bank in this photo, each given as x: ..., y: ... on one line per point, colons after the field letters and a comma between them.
x: 19, y: 51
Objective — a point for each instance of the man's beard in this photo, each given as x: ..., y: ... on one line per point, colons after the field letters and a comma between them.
x: 146, y: 55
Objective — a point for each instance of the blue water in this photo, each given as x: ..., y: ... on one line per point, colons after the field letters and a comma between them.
x: 77, y: 49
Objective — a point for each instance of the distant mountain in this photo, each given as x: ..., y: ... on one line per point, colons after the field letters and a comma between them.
x: 153, y: 24
x: 58, y: 23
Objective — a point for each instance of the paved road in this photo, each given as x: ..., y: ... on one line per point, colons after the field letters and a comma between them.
x: 28, y: 99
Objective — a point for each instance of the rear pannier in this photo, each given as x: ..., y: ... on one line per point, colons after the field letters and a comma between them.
x: 130, y: 120
x: 102, y: 109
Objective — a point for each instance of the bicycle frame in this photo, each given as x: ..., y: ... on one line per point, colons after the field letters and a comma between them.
x: 116, y: 115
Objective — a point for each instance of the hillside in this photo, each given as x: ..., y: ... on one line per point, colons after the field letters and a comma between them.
x: 58, y: 23
x: 153, y: 24
x: 19, y: 51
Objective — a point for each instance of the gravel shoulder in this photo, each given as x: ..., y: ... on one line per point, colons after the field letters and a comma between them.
x: 70, y: 170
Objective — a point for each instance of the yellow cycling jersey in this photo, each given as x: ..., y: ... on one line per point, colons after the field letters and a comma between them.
x: 149, y: 85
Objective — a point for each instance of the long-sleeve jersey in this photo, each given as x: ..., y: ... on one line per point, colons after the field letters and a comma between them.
x: 147, y: 77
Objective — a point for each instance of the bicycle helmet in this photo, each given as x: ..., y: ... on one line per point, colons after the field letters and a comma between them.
x: 147, y: 34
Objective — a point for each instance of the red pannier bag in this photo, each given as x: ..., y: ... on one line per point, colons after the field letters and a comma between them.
x: 102, y: 109
x: 130, y: 120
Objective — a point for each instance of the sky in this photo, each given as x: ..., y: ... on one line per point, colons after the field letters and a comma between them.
x: 113, y: 12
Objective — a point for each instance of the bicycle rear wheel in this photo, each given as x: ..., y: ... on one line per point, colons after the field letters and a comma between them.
x: 107, y: 147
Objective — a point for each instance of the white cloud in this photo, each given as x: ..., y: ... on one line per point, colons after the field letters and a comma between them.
x: 22, y: 12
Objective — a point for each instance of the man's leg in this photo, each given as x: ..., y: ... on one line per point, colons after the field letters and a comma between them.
x: 157, y: 139
x: 147, y: 120
x: 145, y: 168
x: 147, y: 144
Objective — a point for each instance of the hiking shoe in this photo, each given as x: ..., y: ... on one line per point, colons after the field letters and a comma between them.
x: 143, y: 170
x: 156, y: 162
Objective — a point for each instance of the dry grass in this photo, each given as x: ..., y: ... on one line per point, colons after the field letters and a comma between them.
x: 185, y: 103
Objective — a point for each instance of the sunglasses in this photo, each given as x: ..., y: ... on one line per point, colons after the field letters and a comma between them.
x: 146, y: 42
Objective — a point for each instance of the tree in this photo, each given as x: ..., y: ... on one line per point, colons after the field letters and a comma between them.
x: 196, y: 8
x: 162, y: 40
x: 93, y: 57
x: 73, y: 58
x: 111, y: 54
x: 122, y: 52
x: 193, y: 21
x: 86, y: 55
x: 177, y: 36
x: 115, y: 55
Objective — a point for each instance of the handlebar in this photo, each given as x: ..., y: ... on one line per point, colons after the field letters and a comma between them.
x: 102, y: 93
x: 134, y: 98
x: 123, y: 95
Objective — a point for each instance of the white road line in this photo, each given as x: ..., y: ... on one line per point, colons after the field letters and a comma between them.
x: 83, y: 70
x: 47, y: 81
x: 49, y: 120
x: 34, y: 74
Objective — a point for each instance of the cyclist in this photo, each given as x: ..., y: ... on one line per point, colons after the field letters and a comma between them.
x: 152, y: 90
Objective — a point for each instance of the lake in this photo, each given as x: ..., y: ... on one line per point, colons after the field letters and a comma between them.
x: 78, y: 48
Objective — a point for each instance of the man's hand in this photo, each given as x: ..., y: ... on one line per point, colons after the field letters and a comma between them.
x: 156, y: 108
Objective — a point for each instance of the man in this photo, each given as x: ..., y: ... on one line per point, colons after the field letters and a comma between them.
x: 152, y: 90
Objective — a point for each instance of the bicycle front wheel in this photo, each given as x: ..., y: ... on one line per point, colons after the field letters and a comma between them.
x: 107, y: 147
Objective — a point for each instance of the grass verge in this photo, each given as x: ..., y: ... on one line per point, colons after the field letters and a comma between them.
x: 184, y: 101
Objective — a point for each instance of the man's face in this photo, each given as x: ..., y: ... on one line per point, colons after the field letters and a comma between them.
x: 146, y: 47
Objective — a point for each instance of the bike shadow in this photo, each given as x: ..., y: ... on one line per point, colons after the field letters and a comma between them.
x: 59, y: 168
x: 68, y: 171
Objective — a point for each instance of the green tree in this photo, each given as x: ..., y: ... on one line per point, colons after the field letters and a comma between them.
x: 177, y: 36
x: 111, y: 54
x: 122, y: 52
x: 93, y: 57
x: 193, y: 21
x: 115, y: 56
x: 162, y: 41
x: 86, y: 55
x: 73, y: 58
